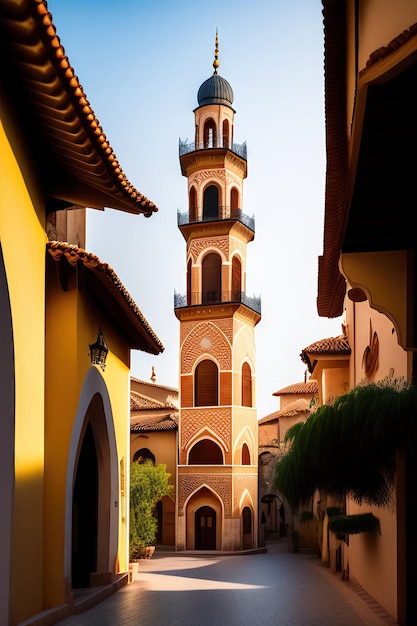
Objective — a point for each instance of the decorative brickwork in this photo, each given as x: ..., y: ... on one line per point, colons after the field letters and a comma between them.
x: 198, y: 246
x: 225, y: 326
x: 221, y: 485
x: 216, y: 419
x: 205, y: 175
x: 206, y: 338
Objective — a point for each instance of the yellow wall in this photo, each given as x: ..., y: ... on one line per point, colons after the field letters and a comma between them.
x: 73, y: 320
x: 23, y: 242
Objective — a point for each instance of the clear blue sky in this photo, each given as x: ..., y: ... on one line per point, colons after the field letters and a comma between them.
x: 141, y: 64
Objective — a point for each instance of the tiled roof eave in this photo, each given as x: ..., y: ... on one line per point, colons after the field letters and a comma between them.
x: 43, y: 87
x: 331, y: 283
x: 76, y: 257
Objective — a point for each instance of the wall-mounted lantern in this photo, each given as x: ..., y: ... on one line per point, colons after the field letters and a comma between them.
x: 98, y: 351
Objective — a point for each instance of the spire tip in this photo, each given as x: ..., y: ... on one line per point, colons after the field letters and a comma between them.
x: 216, y: 52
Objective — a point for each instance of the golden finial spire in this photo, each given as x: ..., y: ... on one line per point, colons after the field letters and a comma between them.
x: 216, y: 53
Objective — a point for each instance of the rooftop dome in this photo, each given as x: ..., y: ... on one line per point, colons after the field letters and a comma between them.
x: 215, y: 90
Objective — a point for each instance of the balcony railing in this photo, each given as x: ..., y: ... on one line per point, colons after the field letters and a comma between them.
x: 239, y: 149
x: 223, y: 213
x: 213, y: 297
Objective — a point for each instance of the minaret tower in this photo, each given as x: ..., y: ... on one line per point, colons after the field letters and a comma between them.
x: 217, y: 478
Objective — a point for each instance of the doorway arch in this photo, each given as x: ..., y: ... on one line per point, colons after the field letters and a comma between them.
x: 7, y: 439
x: 247, y: 528
x: 205, y: 528
x: 201, y: 506
x: 93, y: 424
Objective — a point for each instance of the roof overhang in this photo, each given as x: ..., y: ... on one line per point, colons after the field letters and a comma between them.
x: 67, y: 146
x: 370, y: 184
x: 102, y: 282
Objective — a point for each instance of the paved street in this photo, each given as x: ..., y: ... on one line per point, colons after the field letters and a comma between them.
x: 275, y: 588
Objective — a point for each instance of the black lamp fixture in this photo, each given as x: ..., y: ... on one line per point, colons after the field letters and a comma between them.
x: 98, y: 351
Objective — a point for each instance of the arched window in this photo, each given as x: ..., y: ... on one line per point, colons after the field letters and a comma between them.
x: 234, y: 199
x: 205, y: 452
x: 189, y: 296
x: 247, y: 520
x: 143, y: 455
x: 211, y: 278
x: 226, y: 134
x: 193, y: 205
x: 236, y: 279
x: 211, y: 202
x: 210, y: 134
x: 206, y: 384
x: 246, y: 385
x: 245, y: 454
x: 247, y: 528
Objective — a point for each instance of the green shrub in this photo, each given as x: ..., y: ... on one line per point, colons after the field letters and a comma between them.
x: 148, y: 484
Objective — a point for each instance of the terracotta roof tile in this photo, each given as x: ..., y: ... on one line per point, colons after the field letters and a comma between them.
x: 332, y: 345
x: 140, y: 402
x: 310, y: 386
x: 150, y: 423
x: 62, y: 126
x: 294, y: 408
x: 139, y: 380
x: 393, y: 45
x: 75, y: 256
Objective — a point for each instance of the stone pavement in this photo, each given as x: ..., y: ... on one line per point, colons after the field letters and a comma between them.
x: 276, y: 588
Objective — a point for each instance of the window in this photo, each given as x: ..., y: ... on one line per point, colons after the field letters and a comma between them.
x: 247, y: 520
x: 189, y: 296
x: 210, y: 134
x: 193, y: 205
x: 211, y: 202
x: 143, y: 455
x: 211, y: 278
x: 234, y: 199
x: 205, y: 452
x: 245, y: 454
x: 226, y: 133
x: 236, y: 279
x: 246, y: 385
x: 206, y: 384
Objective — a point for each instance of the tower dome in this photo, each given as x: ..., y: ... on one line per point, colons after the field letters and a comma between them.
x: 216, y: 89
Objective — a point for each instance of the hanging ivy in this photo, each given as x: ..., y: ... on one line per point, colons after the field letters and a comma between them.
x: 354, y: 524
x: 350, y: 447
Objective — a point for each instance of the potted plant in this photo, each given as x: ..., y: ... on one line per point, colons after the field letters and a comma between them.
x: 148, y: 484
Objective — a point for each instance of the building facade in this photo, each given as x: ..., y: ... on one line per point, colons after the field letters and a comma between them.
x: 64, y: 444
x: 217, y: 433
x: 368, y: 265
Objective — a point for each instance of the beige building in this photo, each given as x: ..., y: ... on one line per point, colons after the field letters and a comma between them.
x: 368, y: 263
x: 153, y: 435
x: 217, y: 474
x: 295, y: 403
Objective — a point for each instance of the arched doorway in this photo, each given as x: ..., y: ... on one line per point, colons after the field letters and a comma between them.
x: 247, y: 528
x: 84, y: 513
x: 92, y: 450
x: 7, y: 439
x: 205, y: 528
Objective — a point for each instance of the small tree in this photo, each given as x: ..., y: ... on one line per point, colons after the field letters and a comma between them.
x: 148, y: 484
